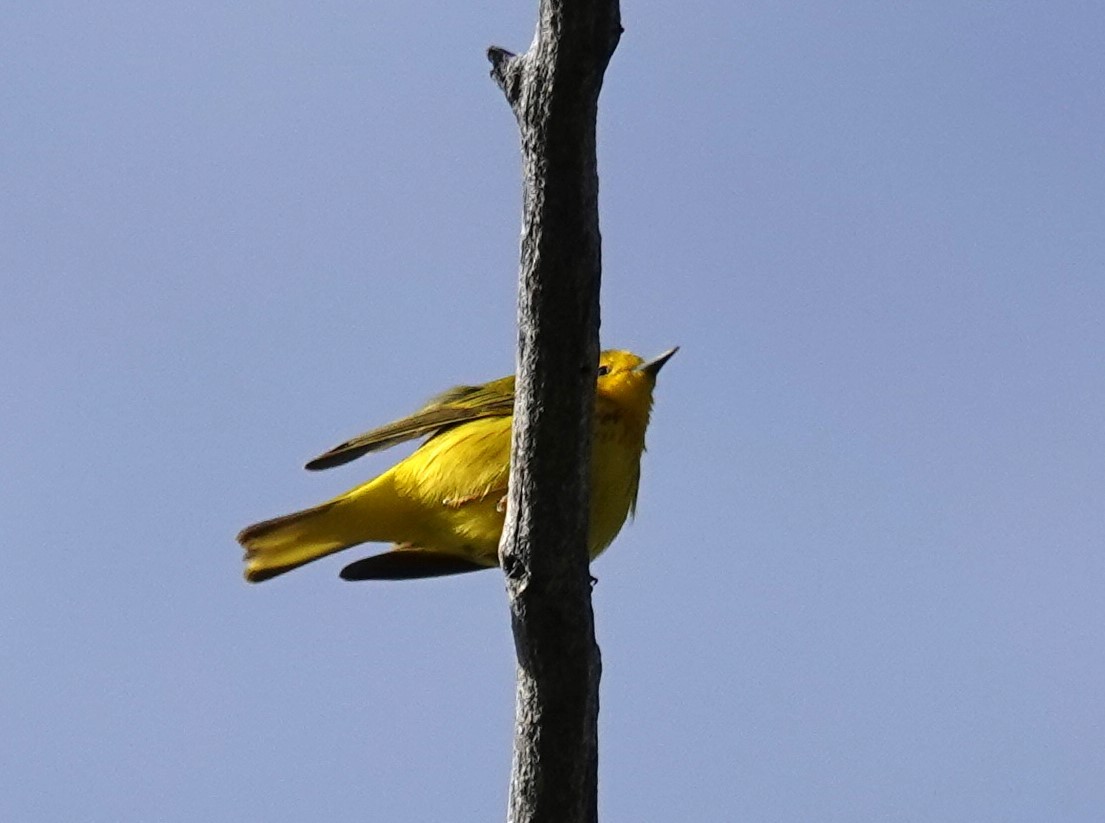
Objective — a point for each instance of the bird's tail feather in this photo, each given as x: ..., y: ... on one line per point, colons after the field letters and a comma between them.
x: 284, y: 543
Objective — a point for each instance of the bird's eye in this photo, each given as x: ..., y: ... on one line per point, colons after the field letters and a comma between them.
x: 604, y: 370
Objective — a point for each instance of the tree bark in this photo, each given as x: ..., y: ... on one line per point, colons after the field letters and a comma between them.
x: 553, y: 90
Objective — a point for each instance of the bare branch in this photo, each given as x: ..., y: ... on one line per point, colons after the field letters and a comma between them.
x: 553, y: 90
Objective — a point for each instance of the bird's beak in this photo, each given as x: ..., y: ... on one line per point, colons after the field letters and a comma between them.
x: 652, y: 368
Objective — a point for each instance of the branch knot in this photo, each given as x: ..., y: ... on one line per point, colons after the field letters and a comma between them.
x: 506, y: 71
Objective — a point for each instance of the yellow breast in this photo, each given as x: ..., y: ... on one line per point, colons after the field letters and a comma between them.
x: 615, y: 472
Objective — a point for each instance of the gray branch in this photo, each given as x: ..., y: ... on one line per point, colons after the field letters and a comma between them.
x: 553, y: 90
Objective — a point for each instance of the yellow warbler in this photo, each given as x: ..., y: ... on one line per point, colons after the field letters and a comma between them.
x: 443, y: 506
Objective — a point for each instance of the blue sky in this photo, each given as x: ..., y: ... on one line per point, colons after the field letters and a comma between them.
x: 866, y: 578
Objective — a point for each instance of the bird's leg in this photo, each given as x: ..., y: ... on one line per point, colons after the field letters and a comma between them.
x: 458, y: 502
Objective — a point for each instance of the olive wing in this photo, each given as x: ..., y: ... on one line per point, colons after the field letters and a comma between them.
x: 458, y: 405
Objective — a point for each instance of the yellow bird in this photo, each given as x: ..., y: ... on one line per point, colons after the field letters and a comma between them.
x: 443, y: 506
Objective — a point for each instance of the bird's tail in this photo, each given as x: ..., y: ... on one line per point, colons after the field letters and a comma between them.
x: 284, y: 543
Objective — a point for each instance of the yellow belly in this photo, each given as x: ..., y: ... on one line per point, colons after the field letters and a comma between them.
x: 454, y: 488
